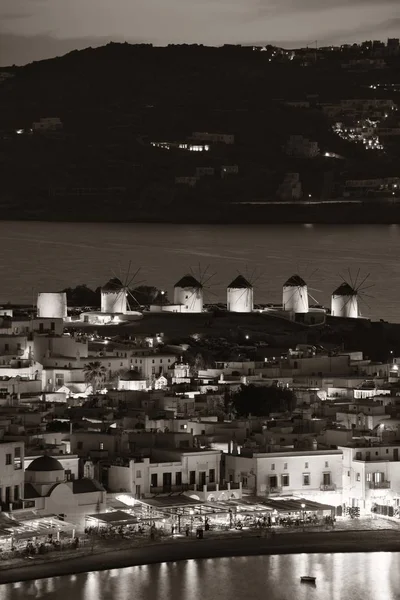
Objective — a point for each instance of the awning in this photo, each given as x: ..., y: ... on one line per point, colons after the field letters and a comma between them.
x: 116, y: 517
x: 295, y: 505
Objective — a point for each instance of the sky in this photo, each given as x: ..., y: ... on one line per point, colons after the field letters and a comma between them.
x: 37, y: 29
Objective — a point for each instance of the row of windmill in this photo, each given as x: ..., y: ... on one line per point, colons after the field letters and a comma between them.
x: 190, y: 291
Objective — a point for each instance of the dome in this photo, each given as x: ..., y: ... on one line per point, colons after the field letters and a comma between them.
x: 295, y: 281
x: 132, y: 375
x: 188, y: 281
x: 113, y: 285
x: 344, y: 290
x: 240, y: 283
x: 45, y: 463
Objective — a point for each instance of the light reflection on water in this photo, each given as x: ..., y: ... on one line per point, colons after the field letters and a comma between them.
x: 355, y: 576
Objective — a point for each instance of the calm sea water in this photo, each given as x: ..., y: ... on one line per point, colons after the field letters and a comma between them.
x: 360, y: 576
x: 50, y: 256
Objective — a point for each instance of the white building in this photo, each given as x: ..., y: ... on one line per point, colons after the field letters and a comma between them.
x: 132, y: 380
x: 11, y: 474
x: 52, y: 305
x: 371, y: 475
x: 48, y: 492
x: 240, y: 296
x: 188, y: 292
x: 311, y: 474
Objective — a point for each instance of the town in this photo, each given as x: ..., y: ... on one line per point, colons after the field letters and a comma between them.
x: 113, y: 433
x: 200, y: 134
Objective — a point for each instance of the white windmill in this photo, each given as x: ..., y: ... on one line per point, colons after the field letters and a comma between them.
x: 116, y: 293
x: 189, y: 290
x: 240, y: 295
x: 345, y: 299
x: 295, y: 295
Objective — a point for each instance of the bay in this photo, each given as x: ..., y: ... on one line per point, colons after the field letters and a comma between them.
x: 355, y: 576
x: 43, y: 256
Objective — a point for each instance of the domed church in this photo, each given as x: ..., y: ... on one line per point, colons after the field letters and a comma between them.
x: 49, y: 493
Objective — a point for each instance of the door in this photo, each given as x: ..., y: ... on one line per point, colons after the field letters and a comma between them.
x: 202, y: 478
x: 167, y: 482
x: 153, y: 481
x: 137, y: 492
x: 396, y: 454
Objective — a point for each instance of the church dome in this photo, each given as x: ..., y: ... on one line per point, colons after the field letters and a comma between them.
x: 45, y: 463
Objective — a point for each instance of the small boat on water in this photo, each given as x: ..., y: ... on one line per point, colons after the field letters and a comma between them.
x: 307, y: 579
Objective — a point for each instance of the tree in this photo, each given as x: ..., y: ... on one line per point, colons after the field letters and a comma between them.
x: 261, y: 401
x: 81, y: 295
x: 148, y: 294
x: 95, y: 374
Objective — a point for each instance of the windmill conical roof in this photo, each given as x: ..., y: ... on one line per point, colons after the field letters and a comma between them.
x: 188, y: 281
x: 113, y: 285
x: 239, y: 283
x: 345, y: 289
x: 295, y: 281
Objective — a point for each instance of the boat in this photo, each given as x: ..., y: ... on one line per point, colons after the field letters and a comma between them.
x: 307, y: 579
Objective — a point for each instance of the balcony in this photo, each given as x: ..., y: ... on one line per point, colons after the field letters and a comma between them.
x: 379, y: 485
x: 168, y: 489
x: 327, y: 487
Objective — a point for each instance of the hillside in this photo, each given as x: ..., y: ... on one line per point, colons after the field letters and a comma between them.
x: 114, y: 101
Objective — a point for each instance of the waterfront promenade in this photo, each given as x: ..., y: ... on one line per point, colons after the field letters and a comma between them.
x: 349, y: 536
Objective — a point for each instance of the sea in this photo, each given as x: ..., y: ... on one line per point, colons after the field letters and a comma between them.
x: 46, y: 257
x: 355, y: 576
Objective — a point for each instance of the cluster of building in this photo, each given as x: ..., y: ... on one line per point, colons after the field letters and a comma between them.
x: 89, y: 425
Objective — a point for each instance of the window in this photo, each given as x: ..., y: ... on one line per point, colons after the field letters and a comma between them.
x: 273, y: 481
x: 358, y: 477
x: 306, y: 479
x: 285, y: 466
x: 326, y: 464
x: 348, y: 473
x: 306, y: 465
x: 8, y: 459
x: 387, y: 451
x: 273, y: 467
x: 369, y: 477
x: 17, y: 459
x: 138, y: 474
x: 327, y: 478
x: 16, y: 493
x: 178, y: 478
x: 211, y: 476
x: 153, y: 361
x: 101, y: 446
x: 79, y: 445
x: 285, y: 480
x: 358, y: 455
x: 192, y: 477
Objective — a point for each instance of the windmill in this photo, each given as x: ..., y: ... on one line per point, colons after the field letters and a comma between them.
x: 240, y: 293
x: 190, y: 289
x: 296, y: 294
x: 345, y: 299
x: 116, y: 293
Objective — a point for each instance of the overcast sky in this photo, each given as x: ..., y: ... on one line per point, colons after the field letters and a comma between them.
x: 36, y: 29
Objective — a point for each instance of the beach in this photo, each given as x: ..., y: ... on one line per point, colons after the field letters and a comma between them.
x: 332, y: 541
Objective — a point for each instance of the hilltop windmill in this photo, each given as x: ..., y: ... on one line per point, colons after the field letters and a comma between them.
x: 296, y: 294
x: 190, y: 289
x: 240, y: 293
x: 116, y: 293
x: 345, y: 299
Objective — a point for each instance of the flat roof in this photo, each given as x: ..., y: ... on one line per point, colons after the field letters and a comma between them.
x: 117, y: 516
x: 295, y: 505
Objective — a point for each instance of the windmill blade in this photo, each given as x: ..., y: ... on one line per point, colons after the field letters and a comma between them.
x: 131, y: 295
x: 365, y: 302
x: 363, y: 281
x: 314, y: 290
x: 312, y: 298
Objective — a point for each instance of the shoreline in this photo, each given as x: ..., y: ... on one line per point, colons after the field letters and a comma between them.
x: 182, y: 549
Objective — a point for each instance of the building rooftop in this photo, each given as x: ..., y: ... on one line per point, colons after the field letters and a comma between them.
x: 344, y: 289
x: 240, y: 283
x: 113, y: 285
x: 188, y: 281
x: 295, y: 281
